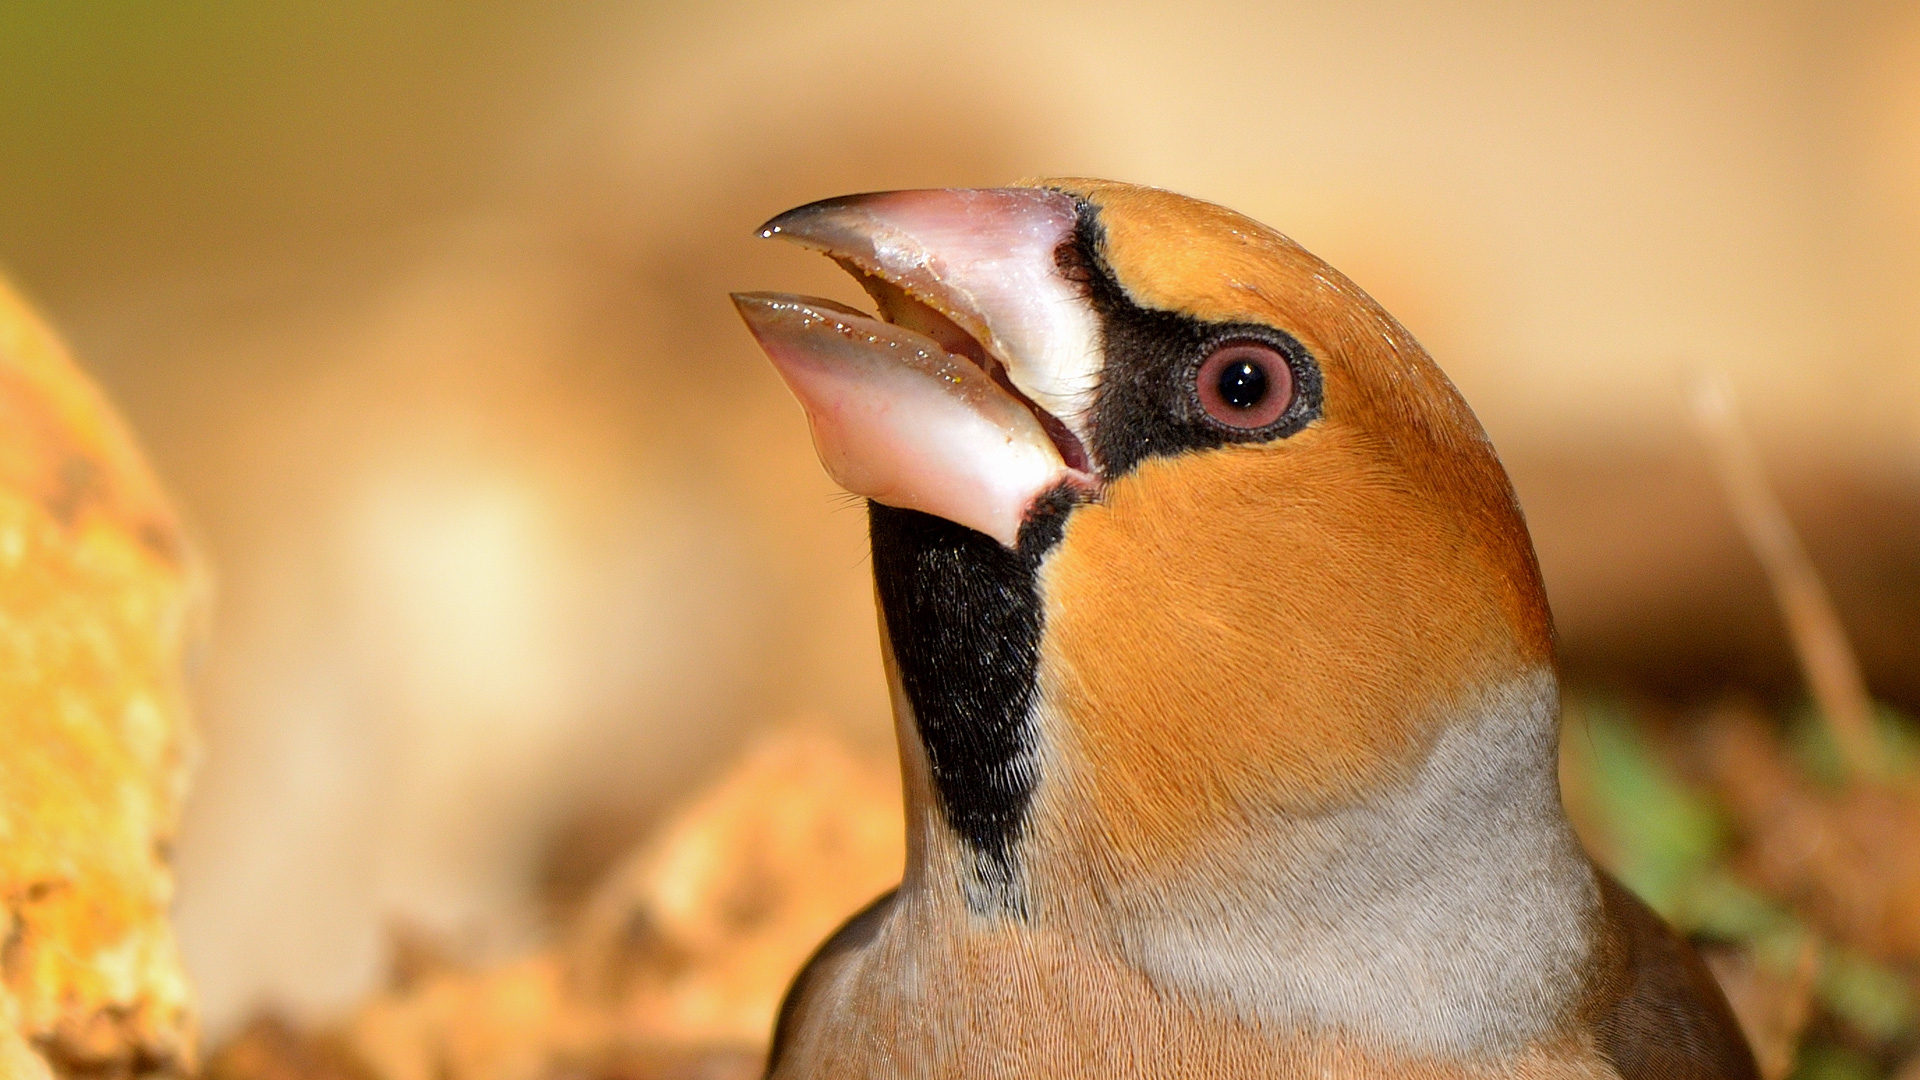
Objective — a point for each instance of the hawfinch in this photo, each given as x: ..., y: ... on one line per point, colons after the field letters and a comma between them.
x: 1221, y: 668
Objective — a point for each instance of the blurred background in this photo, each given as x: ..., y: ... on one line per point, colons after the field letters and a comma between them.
x: 420, y: 309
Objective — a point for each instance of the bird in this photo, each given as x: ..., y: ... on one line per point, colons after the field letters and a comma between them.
x: 1221, y: 668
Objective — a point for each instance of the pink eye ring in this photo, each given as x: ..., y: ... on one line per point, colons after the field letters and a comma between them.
x: 1244, y: 385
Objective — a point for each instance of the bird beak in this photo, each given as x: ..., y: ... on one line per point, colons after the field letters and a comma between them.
x: 966, y: 397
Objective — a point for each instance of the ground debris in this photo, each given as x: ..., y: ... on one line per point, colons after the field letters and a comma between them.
x: 1799, y: 877
x: 1846, y: 855
x: 673, y: 968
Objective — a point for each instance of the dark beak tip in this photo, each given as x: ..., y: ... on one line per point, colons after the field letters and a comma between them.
x: 752, y: 309
x: 793, y: 224
x: 808, y: 223
x: 749, y: 304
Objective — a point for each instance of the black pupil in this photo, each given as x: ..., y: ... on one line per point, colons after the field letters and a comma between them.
x: 1243, y: 384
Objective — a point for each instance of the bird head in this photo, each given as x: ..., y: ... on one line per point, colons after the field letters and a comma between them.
x: 1184, y: 547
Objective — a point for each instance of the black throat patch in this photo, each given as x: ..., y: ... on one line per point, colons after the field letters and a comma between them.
x: 963, y: 614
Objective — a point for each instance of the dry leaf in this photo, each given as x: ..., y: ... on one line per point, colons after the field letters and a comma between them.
x: 1773, y: 1007
x: 1846, y: 858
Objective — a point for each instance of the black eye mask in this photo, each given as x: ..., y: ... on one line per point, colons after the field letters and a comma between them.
x: 1146, y: 405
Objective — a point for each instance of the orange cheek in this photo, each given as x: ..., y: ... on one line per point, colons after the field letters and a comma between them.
x: 1259, y: 629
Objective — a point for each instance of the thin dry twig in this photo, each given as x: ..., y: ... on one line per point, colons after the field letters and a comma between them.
x: 1820, y: 641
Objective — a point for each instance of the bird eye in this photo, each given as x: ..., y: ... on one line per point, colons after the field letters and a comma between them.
x: 1245, y: 384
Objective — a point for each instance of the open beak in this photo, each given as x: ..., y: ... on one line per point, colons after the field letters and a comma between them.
x: 967, y: 396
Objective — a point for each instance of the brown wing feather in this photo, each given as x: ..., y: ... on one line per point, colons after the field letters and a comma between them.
x: 853, y: 934
x: 1670, y: 1020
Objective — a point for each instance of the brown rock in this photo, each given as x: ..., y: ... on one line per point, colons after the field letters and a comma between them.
x: 271, y: 1048
x: 697, y: 934
x: 96, y: 594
